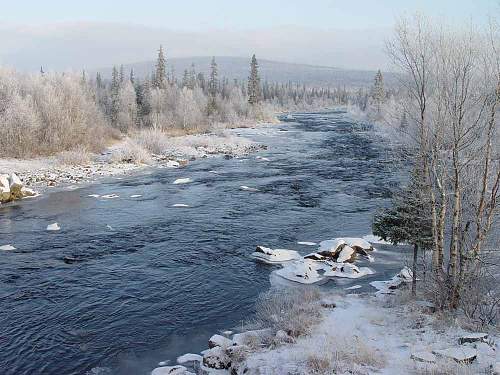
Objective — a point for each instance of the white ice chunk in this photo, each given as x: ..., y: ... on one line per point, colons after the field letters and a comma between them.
x: 136, y: 196
x: 348, y: 270
x: 110, y: 196
x: 180, y: 205
x: 189, y: 359
x: 7, y: 247
x: 307, y: 243
x: 272, y: 256
x: 179, y: 181
x: 93, y: 195
x: 53, y: 227
x: 346, y: 255
x: 246, y: 188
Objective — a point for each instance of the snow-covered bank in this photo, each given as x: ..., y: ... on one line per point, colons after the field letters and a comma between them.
x: 139, y: 151
x: 347, y: 334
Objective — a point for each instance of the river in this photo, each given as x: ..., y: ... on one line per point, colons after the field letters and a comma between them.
x: 128, y: 282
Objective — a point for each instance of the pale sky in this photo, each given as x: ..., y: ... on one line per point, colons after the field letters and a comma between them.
x: 202, y: 14
x: 66, y: 34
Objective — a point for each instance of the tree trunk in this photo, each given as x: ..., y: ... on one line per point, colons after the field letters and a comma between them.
x: 414, y: 271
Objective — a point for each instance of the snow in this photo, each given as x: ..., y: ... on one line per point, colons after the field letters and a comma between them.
x: 388, y: 286
x: 358, y: 242
x: 180, y: 205
x: 273, y: 256
x: 218, y: 340
x: 246, y: 188
x: 307, y: 243
x: 346, y: 254
x: 304, y: 271
x: 53, y: 227
x: 348, y: 270
x: 189, y: 358
x: 458, y: 354
x: 170, y: 370
x: 179, y: 181
x: 423, y: 357
x: 7, y: 247
x: 172, y: 164
x: 331, y: 246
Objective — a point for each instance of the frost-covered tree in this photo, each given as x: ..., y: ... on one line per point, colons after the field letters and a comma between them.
x: 378, y: 92
x: 160, y: 76
x: 254, y: 89
x: 213, y: 87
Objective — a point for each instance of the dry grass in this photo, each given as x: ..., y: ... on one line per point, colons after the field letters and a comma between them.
x: 293, y: 312
x: 80, y: 156
x: 443, y: 367
x: 130, y: 152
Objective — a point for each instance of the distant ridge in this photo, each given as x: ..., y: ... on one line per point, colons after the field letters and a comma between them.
x: 273, y: 71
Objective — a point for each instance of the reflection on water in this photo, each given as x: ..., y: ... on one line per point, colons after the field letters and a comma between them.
x: 128, y: 282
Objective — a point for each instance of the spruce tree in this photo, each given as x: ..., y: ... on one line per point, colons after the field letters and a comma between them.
x: 160, y: 76
x: 378, y: 92
x: 131, y: 76
x: 98, y: 80
x: 213, y: 87
x: 254, y: 91
x: 115, y: 96
x: 185, y: 78
x: 408, y: 221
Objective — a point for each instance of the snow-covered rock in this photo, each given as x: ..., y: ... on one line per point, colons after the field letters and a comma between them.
x: 172, y: 164
x: 4, y: 181
x: 347, y: 254
x: 388, y: 286
x: 461, y: 354
x: 7, y: 247
x: 216, y: 358
x: 305, y: 271
x: 273, y: 256
x: 358, y: 243
x: 15, y: 184
x: 426, y: 357
x: 4, y: 194
x: 331, y: 247
x: 254, y: 336
x: 347, y: 270
x: 171, y: 370
x: 181, y: 181
x: 189, y: 359
x: 218, y: 340
x: 473, y: 337
x: 53, y: 227
x: 27, y: 192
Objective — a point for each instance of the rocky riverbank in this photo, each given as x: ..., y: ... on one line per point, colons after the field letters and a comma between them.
x: 129, y: 155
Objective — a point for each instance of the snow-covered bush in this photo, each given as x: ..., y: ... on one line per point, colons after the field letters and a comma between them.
x: 291, y: 311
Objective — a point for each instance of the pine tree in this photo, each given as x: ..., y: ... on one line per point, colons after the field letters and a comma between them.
x: 213, y: 87
x: 115, y: 96
x: 185, y: 78
x: 254, y: 90
x: 408, y: 221
x: 98, y: 80
x: 192, y: 77
x: 41, y: 71
x: 131, y: 76
x: 122, y: 74
x: 160, y: 76
x: 378, y: 92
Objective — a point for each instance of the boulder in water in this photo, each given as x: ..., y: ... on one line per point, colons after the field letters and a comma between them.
x: 216, y: 358
x: 218, y: 340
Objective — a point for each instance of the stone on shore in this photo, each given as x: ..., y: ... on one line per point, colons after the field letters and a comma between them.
x: 473, y: 337
x: 426, y: 357
x: 189, y: 359
x: 15, y: 184
x: 218, y: 340
x: 216, y: 358
x: 462, y: 354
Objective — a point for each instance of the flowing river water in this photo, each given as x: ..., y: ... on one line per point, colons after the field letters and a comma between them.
x: 128, y: 282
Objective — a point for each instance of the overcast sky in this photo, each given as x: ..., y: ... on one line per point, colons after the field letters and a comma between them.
x: 64, y: 34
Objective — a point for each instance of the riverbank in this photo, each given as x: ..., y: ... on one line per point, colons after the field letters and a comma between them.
x: 347, y: 334
x: 141, y: 150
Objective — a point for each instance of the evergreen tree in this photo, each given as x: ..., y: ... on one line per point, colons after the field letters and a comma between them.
x: 160, y: 76
x: 254, y: 91
x: 378, y: 92
x: 408, y: 221
x: 132, y: 76
x: 41, y: 71
x: 185, y: 78
x: 213, y: 87
x: 192, y: 77
x: 115, y: 96
x: 98, y: 80
x: 122, y: 74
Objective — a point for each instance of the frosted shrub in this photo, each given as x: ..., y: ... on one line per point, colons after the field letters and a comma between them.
x: 155, y: 141
x: 80, y: 156
x: 131, y: 152
x: 293, y: 312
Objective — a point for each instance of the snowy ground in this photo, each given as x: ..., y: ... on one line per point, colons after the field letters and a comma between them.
x: 125, y: 157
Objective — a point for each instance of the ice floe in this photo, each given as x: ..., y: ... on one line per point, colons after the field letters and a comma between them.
x: 246, y: 188
x: 93, y: 195
x: 180, y: 181
x: 136, y: 196
x: 189, y: 359
x: 272, y: 256
x: 180, y: 205
x: 306, y: 243
x: 7, y: 247
x: 110, y: 196
x: 305, y: 271
x: 348, y: 270
x: 53, y: 227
